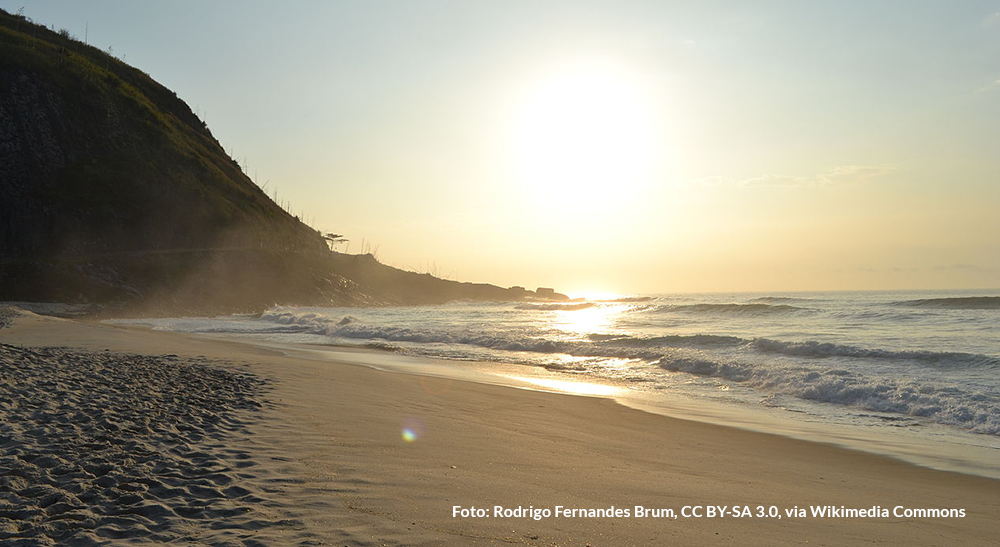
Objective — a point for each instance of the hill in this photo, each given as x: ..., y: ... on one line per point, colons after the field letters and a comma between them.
x: 113, y: 191
x: 98, y: 157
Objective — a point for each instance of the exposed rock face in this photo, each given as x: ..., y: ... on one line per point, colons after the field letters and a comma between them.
x: 113, y: 191
x: 95, y: 156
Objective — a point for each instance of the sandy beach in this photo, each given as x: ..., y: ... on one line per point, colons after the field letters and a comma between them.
x: 123, y: 434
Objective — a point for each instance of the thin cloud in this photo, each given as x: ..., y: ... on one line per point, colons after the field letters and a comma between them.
x: 991, y: 87
x: 889, y: 269
x: 961, y: 266
x: 992, y: 20
x: 838, y: 176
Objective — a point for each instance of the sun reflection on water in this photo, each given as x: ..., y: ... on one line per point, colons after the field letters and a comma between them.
x: 598, y: 318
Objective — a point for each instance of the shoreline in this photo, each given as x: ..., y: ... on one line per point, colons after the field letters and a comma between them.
x: 340, y: 427
x: 946, y: 454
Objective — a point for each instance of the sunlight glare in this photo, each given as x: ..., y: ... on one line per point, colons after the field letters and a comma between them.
x: 567, y: 386
x: 596, y: 296
x: 583, y: 136
x: 596, y: 318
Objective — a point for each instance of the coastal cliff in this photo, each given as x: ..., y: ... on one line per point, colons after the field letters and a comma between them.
x: 112, y: 191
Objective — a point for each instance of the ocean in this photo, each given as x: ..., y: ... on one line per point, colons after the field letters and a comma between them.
x: 909, y: 374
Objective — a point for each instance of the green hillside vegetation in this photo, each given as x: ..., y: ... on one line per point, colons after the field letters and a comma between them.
x: 113, y: 192
x: 117, y: 161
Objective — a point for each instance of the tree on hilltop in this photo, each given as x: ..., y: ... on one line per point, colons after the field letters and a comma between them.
x: 333, y: 239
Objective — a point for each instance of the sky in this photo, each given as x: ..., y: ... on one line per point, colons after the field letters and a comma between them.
x: 618, y: 146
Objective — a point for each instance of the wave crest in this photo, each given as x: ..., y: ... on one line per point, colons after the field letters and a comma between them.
x: 556, y: 307
x: 727, y: 357
x: 942, y: 404
x: 783, y: 300
x: 962, y: 303
x: 752, y: 309
x: 827, y: 349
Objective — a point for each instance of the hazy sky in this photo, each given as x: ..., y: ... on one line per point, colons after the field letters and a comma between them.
x: 625, y: 146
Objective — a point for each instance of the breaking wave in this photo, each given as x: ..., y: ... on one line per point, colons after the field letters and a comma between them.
x: 670, y: 341
x: 963, y: 303
x: 826, y: 349
x: 783, y: 299
x: 752, y: 309
x: 556, y: 307
x: 948, y: 386
x: 978, y: 411
x: 838, y: 382
x: 608, y: 345
x: 627, y: 300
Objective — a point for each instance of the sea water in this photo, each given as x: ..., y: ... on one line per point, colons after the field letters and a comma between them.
x: 924, y: 365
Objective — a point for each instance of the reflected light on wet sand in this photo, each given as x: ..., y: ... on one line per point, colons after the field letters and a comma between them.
x: 565, y: 386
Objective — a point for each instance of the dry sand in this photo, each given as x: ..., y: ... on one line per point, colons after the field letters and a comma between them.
x: 323, y: 460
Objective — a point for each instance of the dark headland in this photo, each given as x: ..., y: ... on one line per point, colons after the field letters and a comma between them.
x: 114, y: 193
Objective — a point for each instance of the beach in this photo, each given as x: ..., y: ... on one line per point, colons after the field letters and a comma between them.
x: 319, y: 452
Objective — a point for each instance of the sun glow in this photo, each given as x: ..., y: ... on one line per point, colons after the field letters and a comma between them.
x: 595, y: 296
x: 584, y: 137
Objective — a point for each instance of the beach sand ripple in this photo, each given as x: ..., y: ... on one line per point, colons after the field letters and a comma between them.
x: 99, y: 448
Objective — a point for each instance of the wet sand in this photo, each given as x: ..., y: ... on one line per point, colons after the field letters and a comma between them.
x: 323, y: 459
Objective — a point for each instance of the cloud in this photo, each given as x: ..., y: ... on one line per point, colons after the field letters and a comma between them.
x: 961, y: 266
x: 990, y: 87
x: 889, y: 269
x: 838, y: 176
x: 992, y: 20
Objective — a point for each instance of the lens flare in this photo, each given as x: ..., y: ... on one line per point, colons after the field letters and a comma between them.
x: 413, y: 429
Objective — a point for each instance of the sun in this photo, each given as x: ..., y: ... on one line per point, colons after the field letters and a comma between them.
x: 583, y: 136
